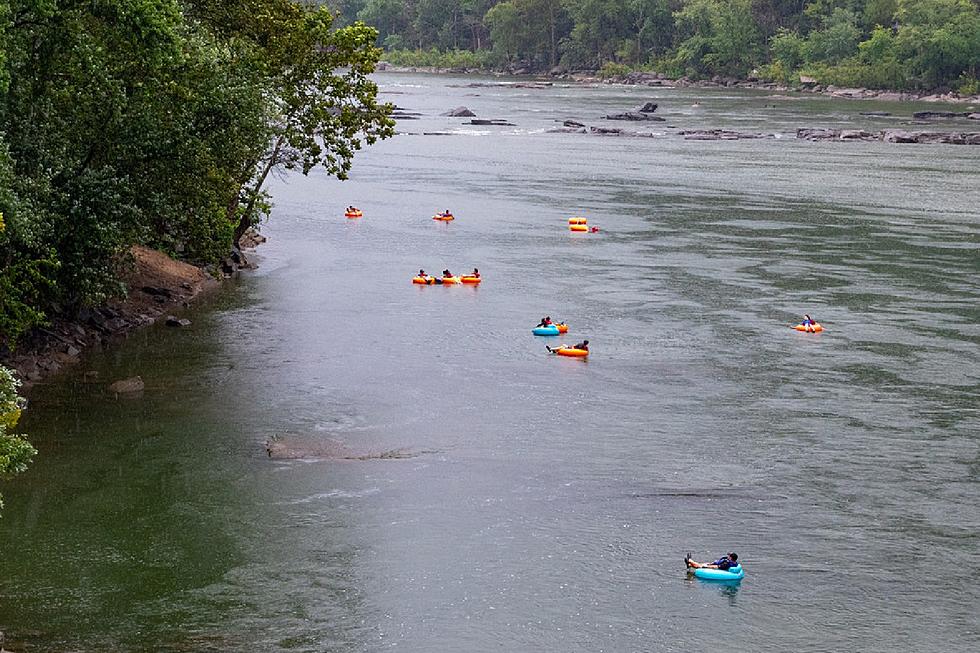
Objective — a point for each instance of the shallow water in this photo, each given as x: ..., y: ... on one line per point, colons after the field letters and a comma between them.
x: 490, y: 496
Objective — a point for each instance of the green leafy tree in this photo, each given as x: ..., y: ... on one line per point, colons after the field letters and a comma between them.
x: 721, y: 38
x: 323, y: 106
x: 837, y: 40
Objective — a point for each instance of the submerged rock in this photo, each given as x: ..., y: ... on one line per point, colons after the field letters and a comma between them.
x: 648, y: 107
x: 127, y: 386
x: 459, y: 112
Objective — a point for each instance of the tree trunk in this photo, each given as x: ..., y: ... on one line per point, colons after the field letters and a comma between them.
x: 245, y: 220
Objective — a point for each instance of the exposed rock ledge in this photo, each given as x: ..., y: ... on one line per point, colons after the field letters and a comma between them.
x: 158, y: 286
x: 890, y: 136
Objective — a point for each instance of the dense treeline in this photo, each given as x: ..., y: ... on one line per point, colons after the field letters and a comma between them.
x: 158, y: 122
x: 900, y: 44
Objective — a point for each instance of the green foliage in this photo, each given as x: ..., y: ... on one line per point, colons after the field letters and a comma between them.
x: 935, y: 41
x: 157, y: 122
x: 433, y: 58
x: 610, y: 70
x: 722, y: 38
x: 15, y: 451
x: 968, y: 85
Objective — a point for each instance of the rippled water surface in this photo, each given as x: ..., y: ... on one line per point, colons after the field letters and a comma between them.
x: 459, y: 489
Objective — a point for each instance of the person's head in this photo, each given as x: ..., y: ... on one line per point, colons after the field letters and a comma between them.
x: 807, y: 316
x: 585, y: 342
x: 476, y: 270
x: 733, y: 557
x: 421, y: 273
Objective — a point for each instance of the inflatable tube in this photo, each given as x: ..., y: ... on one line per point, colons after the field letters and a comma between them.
x: 444, y: 218
x: 572, y: 352
x: 733, y: 573
x: 578, y: 227
x: 449, y: 280
x: 562, y: 327
x: 814, y: 328
x: 426, y: 281
x: 469, y: 279
x: 550, y: 330
x: 354, y: 214
x: 577, y: 221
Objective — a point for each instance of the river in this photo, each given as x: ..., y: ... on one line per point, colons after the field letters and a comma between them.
x: 470, y: 492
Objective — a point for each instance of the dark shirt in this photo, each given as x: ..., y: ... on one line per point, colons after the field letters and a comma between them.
x: 724, y: 563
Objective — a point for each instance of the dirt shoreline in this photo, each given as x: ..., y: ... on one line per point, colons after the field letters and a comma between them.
x: 657, y: 80
x: 158, y: 287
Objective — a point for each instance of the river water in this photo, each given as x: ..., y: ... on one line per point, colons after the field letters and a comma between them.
x: 462, y: 489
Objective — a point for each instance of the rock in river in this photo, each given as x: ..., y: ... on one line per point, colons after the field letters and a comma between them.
x: 459, y: 112
x: 127, y: 386
x: 633, y: 116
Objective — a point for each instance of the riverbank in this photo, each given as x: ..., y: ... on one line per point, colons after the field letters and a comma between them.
x: 157, y: 287
x: 658, y: 80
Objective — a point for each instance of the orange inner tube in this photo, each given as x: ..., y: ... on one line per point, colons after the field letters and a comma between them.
x: 562, y: 327
x: 467, y: 279
x: 572, y: 352
x: 444, y: 218
x: 813, y: 328
x: 355, y: 214
x: 425, y: 281
x: 578, y: 227
x: 450, y: 280
x: 577, y: 221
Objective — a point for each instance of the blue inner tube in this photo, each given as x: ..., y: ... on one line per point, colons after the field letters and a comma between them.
x: 545, y: 331
x: 732, y: 573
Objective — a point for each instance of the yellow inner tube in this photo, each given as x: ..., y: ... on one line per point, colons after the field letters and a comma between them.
x: 572, y: 351
x: 578, y: 227
x: 577, y: 221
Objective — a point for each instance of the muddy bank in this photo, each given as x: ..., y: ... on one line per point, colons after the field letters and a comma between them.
x: 158, y: 287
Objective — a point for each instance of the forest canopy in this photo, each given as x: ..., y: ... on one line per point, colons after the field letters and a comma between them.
x: 895, y: 44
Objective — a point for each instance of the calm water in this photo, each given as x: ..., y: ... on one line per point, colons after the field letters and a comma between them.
x: 523, y: 502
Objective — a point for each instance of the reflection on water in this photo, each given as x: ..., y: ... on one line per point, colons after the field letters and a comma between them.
x: 541, y: 503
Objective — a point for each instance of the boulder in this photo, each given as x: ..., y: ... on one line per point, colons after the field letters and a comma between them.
x: 856, y: 135
x: 127, y: 386
x: 177, y: 322
x: 897, y: 136
x: 810, y: 134
x: 605, y: 131
x: 459, y: 112
x: 648, y: 107
x: 495, y: 123
x: 572, y: 123
x: 973, y: 116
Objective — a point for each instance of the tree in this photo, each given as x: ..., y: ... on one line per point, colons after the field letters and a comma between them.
x: 837, y: 40
x: 323, y: 106
x: 721, y: 38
